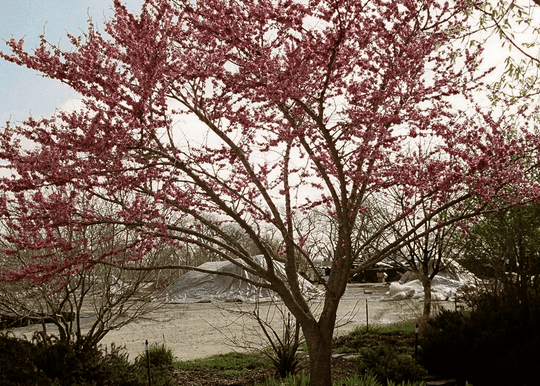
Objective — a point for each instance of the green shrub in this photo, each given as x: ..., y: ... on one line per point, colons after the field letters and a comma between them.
x: 17, y: 365
x: 371, y: 380
x: 161, y: 366
x: 60, y: 364
x: 61, y: 361
x: 405, y: 328
x: 386, y: 364
x: 491, y: 344
x: 67, y: 365
x: 409, y: 383
x: 116, y: 370
x: 160, y: 357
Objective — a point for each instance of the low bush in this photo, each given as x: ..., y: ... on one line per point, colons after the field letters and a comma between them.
x: 17, y: 357
x: 491, y: 344
x: 161, y: 366
x: 386, y: 364
x: 117, y: 370
x: 160, y: 357
x: 58, y: 364
x: 67, y: 365
x: 283, y: 345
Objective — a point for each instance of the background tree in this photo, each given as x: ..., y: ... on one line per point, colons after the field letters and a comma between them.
x: 84, y: 304
x: 201, y: 114
x: 429, y: 255
x: 432, y: 246
x: 504, y: 248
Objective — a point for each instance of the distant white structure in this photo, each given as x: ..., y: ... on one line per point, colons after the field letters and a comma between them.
x: 443, y: 287
x: 201, y: 287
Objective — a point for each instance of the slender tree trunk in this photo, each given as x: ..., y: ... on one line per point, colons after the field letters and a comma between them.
x: 319, y: 344
x: 426, y: 283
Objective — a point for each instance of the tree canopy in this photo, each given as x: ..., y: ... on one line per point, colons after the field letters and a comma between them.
x: 201, y: 114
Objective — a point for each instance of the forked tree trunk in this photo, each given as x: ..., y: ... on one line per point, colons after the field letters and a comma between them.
x: 319, y: 333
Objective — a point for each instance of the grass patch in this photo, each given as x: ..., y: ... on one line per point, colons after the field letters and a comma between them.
x: 231, y: 362
x: 399, y: 336
x: 344, y: 350
x: 234, y: 373
x: 405, y: 328
x: 254, y: 368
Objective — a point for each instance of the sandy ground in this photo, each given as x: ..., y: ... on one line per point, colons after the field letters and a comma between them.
x: 203, y: 329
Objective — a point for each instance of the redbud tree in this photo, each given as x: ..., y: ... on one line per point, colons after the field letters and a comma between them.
x: 200, y: 114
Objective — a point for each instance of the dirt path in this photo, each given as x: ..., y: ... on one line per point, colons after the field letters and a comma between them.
x: 200, y: 330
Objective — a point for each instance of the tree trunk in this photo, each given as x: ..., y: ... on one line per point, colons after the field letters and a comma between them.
x: 426, y: 283
x: 319, y: 342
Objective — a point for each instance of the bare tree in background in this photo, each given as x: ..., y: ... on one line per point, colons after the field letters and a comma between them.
x: 431, y: 248
x: 86, y: 304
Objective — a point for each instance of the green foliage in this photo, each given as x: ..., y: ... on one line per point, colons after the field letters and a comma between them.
x: 61, y: 361
x: 399, y: 336
x: 160, y: 357
x: 233, y: 373
x: 344, y: 350
x: 406, y: 328
x: 386, y: 364
x: 59, y: 364
x: 364, y: 380
x: 228, y: 361
x: 117, y: 368
x: 88, y: 366
x: 17, y: 363
x: 491, y: 344
x: 290, y: 380
x: 161, y: 365
x: 408, y: 383
x: 507, y: 19
x: 229, y: 365
x: 504, y: 247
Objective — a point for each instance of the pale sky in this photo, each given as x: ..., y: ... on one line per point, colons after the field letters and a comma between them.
x: 23, y: 92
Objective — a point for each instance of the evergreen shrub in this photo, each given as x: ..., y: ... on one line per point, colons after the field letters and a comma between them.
x: 494, y: 343
x: 42, y: 363
x: 161, y: 364
x: 160, y: 357
x: 17, y: 365
x: 386, y: 364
